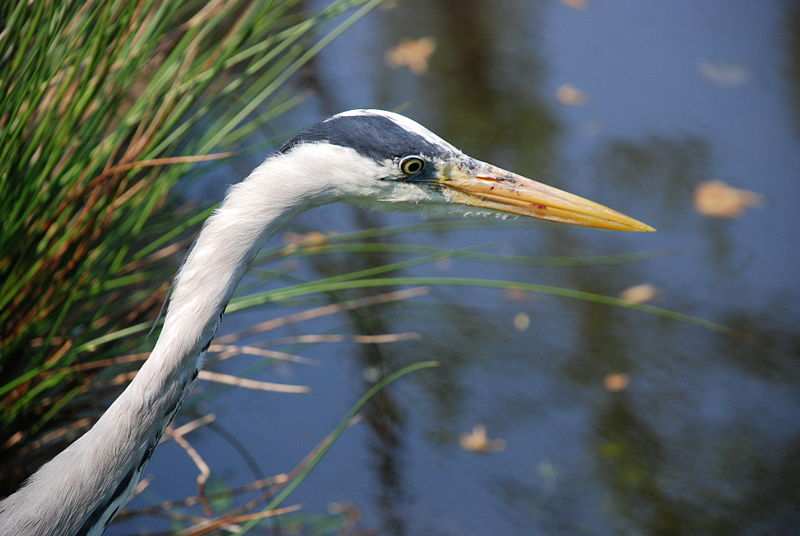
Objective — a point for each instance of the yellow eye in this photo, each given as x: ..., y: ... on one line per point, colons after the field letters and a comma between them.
x: 411, y: 165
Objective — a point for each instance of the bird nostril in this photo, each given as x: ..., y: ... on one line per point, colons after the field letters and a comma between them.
x: 490, y: 178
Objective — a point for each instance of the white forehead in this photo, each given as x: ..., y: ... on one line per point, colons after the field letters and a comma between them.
x: 402, y: 121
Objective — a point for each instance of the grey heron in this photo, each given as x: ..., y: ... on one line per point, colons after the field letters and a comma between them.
x: 372, y: 155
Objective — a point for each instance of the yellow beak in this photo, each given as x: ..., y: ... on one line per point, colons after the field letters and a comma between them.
x: 487, y: 186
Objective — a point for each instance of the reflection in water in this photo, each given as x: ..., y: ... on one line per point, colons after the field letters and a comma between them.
x: 792, y: 38
x: 666, y: 171
x: 383, y: 415
x: 763, y: 345
x: 630, y: 458
x: 506, y: 122
x: 632, y: 461
x: 673, y: 165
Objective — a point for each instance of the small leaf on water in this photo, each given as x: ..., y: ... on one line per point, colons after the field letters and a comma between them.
x: 638, y: 294
x: 311, y: 240
x: 478, y: 441
x: 616, y: 382
x: 569, y: 95
x: 522, y: 321
x: 719, y: 200
x: 575, y: 4
x: 412, y: 53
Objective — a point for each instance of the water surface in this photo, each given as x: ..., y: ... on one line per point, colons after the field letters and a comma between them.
x: 704, y: 438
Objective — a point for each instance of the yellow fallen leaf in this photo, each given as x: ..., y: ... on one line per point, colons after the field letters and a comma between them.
x: 616, y: 382
x: 718, y: 200
x: 478, y: 441
x: 522, y: 321
x: 413, y: 53
x: 575, y: 4
x: 312, y: 239
x: 569, y: 95
x: 638, y: 294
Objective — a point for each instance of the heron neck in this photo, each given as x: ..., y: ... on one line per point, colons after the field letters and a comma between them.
x: 253, y: 210
x: 81, y: 489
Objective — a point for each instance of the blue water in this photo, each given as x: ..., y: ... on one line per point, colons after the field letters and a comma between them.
x: 706, y: 436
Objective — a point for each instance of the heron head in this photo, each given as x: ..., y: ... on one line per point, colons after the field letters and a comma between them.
x: 386, y: 157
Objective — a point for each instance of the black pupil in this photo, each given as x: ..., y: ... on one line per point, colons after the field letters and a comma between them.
x: 413, y: 166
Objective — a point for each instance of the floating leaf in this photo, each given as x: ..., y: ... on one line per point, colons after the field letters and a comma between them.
x: 313, y: 238
x: 569, y: 95
x: 310, y: 240
x: 478, y: 441
x: 616, y: 382
x: 413, y: 53
x: 522, y: 321
x: 718, y: 200
x: 638, y: 294
x: 575, y: 4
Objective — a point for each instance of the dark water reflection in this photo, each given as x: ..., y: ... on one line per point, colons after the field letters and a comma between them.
x: 706, y: 437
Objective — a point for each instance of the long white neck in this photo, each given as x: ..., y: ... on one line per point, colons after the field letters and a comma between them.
x: 80, y: 490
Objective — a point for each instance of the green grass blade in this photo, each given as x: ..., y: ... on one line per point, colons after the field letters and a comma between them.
x: 337, y: 433
x: 591, y: 297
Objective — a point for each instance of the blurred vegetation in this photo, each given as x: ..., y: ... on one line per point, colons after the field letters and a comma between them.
x: 106, y: 106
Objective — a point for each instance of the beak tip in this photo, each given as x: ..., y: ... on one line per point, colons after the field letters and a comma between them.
x: 632, y: 225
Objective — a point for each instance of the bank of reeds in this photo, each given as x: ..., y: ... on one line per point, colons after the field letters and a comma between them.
x: 104, y: 107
